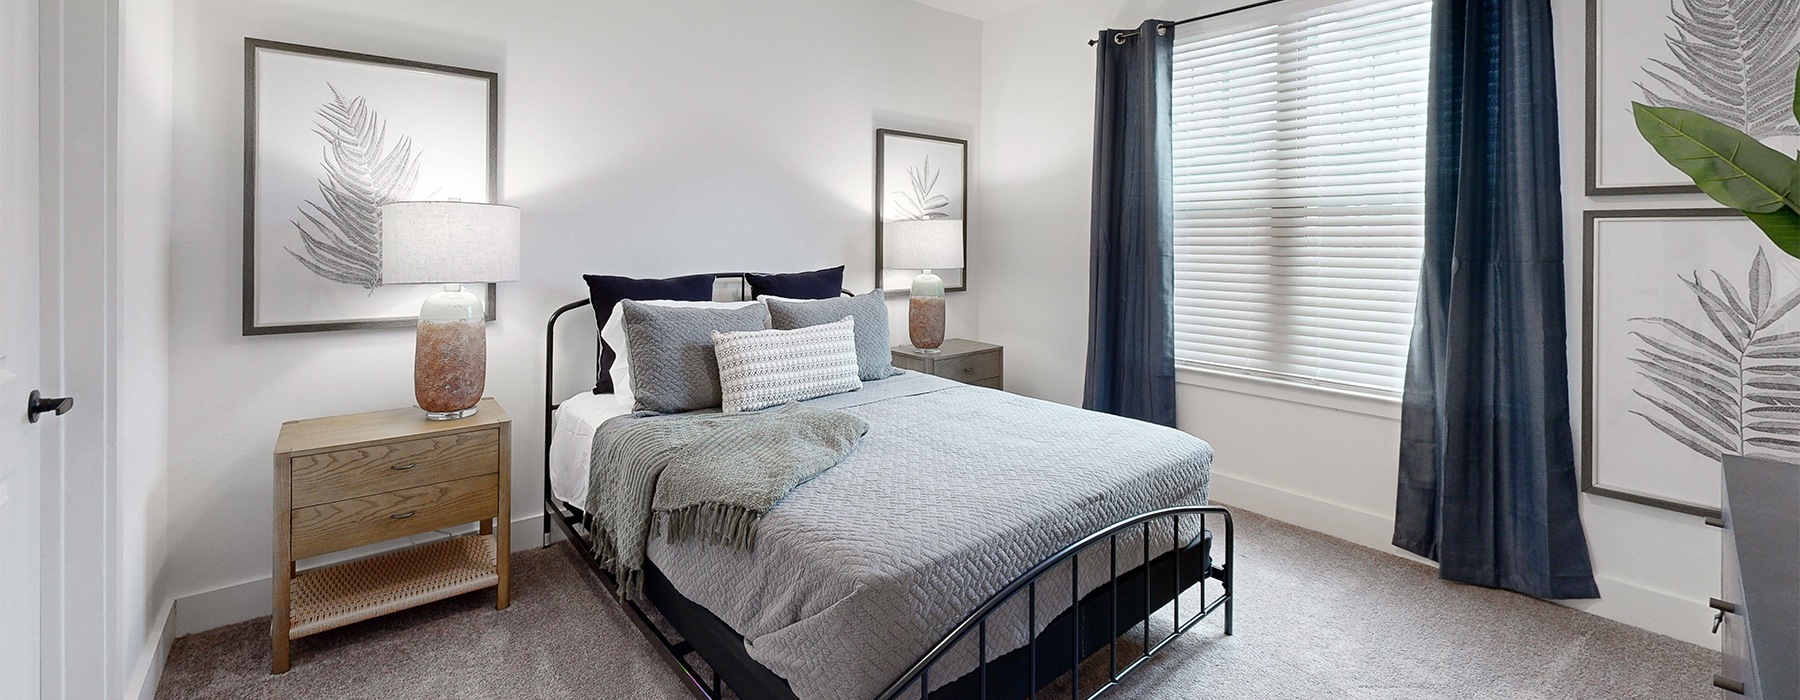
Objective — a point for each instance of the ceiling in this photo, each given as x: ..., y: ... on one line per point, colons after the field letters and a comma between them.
x: 979, y: 9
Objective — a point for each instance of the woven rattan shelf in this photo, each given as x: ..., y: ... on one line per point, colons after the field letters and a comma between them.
x: 334, y: 596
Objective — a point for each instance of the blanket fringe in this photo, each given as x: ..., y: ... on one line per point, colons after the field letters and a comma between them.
x: 712, y: 523
x: 629, y: 581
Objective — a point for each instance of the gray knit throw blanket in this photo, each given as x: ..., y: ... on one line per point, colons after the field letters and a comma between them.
x: 703, y: 476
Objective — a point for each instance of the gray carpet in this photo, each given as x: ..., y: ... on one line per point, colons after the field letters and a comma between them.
x: 1317, y: 617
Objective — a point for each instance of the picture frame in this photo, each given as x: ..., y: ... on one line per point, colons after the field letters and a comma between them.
x: 329, y: 136
x: 898, y: 155
x: 1665, y: 391
x: 1631, y: 56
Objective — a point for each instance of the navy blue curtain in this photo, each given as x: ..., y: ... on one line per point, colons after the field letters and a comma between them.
x: 1131, y: 323
x: 1487, y: 464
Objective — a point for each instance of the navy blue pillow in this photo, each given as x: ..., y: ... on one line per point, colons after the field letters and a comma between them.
x: 818, y: 284
x: 606, y: 291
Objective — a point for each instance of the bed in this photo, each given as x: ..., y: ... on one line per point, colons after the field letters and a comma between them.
x: 976, y: 544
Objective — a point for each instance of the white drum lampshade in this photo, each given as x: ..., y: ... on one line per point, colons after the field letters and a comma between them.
x: 932, y: 244
x: 449, y: 243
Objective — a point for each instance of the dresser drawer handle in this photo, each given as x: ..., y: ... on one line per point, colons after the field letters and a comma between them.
x: 1727, y: 684
x: 403, y: 467
x: 403, y: 516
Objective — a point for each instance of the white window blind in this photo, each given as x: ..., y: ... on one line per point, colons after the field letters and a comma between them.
x: 1300, y: 189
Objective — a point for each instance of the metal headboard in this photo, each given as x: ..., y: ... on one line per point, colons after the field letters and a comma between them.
x: 550, y: 402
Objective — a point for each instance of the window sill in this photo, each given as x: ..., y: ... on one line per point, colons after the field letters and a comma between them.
x: 1368, y: 403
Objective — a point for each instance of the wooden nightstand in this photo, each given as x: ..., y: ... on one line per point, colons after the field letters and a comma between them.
x: 965, y: 361
x: 348, y: 481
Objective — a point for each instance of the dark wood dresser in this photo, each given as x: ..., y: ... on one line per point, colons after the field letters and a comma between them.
x: 1759, y: 619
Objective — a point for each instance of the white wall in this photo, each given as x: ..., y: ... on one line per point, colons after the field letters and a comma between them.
x: 1327, y: 462
x: 144, y: 200
x: 640, y: 138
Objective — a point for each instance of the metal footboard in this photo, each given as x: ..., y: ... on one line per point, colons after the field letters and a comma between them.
x: 918, y: 676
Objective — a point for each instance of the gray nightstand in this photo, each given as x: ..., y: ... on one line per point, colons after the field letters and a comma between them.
x: 965, y: 361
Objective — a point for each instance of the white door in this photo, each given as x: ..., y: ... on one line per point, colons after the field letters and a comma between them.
x: 20, y: 470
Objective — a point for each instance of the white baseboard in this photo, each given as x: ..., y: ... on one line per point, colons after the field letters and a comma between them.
x: 1624, y: 601
x: 1372, y: 530
x: 249, y: 600
x: 148, y: 672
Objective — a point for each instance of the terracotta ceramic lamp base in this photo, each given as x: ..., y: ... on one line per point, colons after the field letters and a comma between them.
x: 925, y: 322
x: 925, y: 312
x: 450, y: 359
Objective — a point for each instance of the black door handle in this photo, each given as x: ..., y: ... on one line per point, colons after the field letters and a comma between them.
x: 40, y: 405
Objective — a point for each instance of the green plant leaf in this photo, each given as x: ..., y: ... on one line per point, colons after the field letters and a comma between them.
x: 1733, y: 168
x: 1782, y: 226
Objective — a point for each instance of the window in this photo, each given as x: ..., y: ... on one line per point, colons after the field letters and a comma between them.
x: 1300, y: 189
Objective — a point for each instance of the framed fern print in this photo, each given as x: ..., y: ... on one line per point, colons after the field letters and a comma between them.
x: 1691, y: 335
x: 919, y: 177
x: 329, y: 137
x: 1732, y: 60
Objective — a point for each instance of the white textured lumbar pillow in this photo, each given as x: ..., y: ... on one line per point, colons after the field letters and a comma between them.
x: 759, y: 369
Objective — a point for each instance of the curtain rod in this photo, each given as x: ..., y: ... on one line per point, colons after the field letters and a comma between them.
x: 1122, y: 36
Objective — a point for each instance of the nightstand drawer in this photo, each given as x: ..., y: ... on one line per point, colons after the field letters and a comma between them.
x: 329, y: 527
x: 969, y: 368
x: 366, y: 471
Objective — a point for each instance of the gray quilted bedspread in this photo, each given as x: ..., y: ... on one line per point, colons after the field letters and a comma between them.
x: 954, y: 491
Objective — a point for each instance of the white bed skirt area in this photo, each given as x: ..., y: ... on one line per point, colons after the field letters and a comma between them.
x: 572, y: 447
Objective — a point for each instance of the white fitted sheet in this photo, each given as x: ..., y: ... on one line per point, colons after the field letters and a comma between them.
x: 572, y: 447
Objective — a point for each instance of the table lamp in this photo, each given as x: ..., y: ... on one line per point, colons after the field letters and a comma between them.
x: 932, y: 244
x: 450, y: 243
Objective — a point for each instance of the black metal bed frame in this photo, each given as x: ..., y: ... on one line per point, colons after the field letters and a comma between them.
x: 918, y: 675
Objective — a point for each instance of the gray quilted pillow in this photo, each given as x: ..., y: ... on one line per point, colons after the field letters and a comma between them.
x: 673, y: 367
x: 874, y: 359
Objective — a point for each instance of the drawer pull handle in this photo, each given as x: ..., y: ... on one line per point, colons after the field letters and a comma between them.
x: 1727, y: 684
x: 404, y: 467
x: 403, y: 516
x: 967, y: 370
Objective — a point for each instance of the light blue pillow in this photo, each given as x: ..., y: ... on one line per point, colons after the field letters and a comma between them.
x: 673, y: 366
x: 874, y: 359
